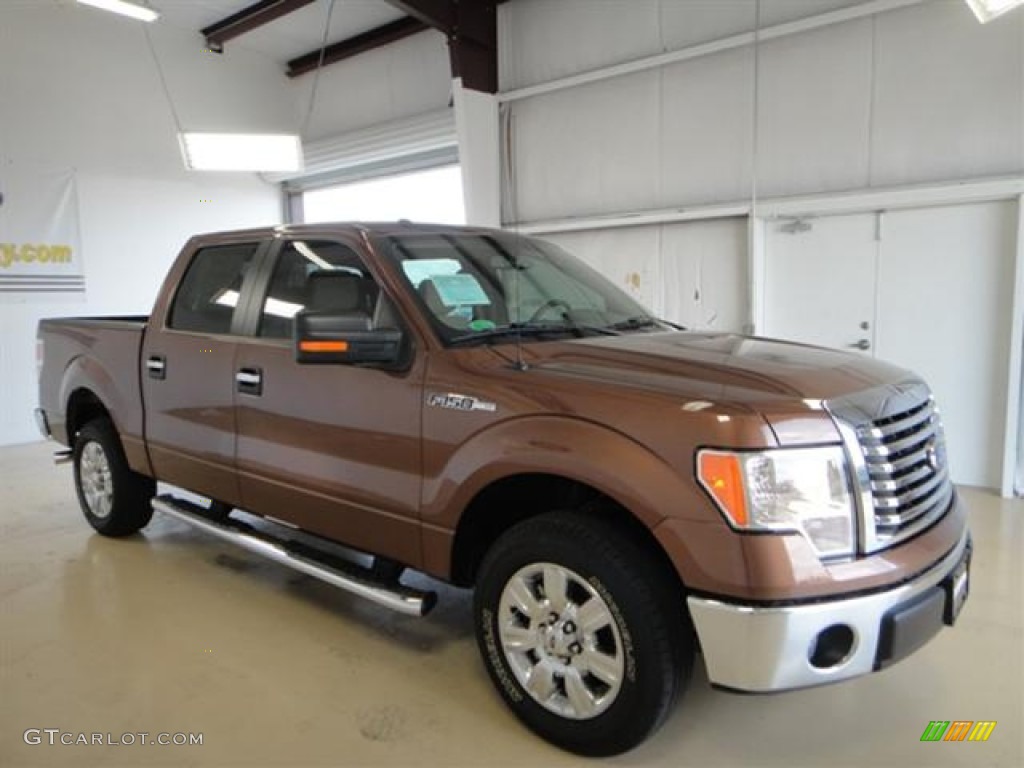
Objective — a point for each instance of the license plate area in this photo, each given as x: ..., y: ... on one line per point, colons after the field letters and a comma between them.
x: 957, y: 586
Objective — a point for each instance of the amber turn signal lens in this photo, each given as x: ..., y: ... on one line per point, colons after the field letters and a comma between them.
x: 323, y: 346
x: 721, y: 475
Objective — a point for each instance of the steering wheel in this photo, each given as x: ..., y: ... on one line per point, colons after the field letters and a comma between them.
x: 548, y: 305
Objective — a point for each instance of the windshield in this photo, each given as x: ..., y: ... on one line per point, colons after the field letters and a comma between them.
x: 499, y: 286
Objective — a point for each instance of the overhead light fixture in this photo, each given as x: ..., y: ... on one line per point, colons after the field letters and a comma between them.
x: 241, y: 151
x: 124, y: 8
x: 986, y: 10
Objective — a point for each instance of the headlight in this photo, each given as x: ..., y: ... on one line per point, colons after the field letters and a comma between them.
x: 806, y: 490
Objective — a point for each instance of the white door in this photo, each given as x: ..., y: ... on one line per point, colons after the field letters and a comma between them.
x: 935, y: 287
x: 944, y: 310
x: 820, y: 281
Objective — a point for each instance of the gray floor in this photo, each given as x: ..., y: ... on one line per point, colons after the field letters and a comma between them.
x: 171, y: 631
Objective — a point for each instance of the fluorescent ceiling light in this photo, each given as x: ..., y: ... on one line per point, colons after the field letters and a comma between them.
x: 241, y: 151
x: 986, y: 10
x: 124, y: 8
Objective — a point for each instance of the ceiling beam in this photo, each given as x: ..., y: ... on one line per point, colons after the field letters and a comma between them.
x: 473, y: 45
x: 248, y: 19
x: 471, y: 27
x: 352, y: 46
x: 451, y: 16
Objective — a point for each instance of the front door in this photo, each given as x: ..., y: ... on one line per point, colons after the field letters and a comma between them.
x: 332, y: 449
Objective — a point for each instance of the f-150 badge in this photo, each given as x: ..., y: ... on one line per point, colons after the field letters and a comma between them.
x: 456, y: 402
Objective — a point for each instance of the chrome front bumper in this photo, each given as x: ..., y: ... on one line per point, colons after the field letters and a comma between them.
x: 762, y: 649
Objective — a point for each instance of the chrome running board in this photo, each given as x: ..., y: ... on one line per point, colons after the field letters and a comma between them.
x: 303, y: 558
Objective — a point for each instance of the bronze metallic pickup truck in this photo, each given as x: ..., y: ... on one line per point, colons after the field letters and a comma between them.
x: 621, y: 494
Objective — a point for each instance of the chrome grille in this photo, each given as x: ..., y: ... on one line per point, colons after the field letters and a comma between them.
x: 895, y: 443
x: 905, y: 457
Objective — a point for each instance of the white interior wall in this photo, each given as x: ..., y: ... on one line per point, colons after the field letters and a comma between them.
x: 543, y: 40
x: 79, y: 90
x: 406, y: 78
x: 864, y: 103
x: 919, y: 94
x: 685, y: 272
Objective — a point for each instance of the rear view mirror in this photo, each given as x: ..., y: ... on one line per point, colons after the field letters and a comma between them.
x: 346, y: 338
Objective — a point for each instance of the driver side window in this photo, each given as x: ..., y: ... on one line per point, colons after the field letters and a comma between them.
x: 316, y: 275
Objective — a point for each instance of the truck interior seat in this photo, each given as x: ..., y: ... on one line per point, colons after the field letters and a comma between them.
x: 340, y: 292
x: 432, y: 298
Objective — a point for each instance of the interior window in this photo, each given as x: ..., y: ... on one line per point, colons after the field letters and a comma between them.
x: 316, y: 276
x: 473, y: 283
x: 210, y: 290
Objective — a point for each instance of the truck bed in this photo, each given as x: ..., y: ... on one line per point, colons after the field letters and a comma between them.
x: 100, y: 354
x: 105, y: 321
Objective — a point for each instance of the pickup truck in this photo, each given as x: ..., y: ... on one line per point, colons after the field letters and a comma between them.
x: 623, y: 495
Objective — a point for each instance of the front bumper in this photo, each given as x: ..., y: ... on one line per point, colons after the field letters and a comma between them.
x: 763, y: 649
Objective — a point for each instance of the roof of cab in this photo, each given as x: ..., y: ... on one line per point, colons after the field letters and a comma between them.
x: 402, y: 227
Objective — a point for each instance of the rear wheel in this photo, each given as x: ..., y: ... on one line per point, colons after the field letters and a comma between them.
x: 114, y: 499
x: 582, y: 632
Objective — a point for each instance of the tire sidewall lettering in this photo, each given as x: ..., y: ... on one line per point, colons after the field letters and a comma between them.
x: 497, y: 658
x: 628, y: 650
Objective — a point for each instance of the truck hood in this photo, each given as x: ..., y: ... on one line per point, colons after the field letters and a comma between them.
x: 762, y: 374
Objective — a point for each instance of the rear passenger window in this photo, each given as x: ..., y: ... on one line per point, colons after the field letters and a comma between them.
x: 210, y: 290
x: 316, y: 275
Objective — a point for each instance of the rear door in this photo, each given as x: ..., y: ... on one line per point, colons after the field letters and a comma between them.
x: 187, y: 373
x: 332, y: 449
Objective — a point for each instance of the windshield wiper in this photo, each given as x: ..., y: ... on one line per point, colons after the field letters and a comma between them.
x: 533, y: 330
x: 635, y: 323
x: 514, y: 329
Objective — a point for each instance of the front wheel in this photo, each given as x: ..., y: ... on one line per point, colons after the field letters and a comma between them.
x: 582, y: 632
x: 114, y: 499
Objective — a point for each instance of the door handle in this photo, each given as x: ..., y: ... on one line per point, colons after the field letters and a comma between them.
x: 249, y: 381
x: 156, y: 365
x: 863, y: 345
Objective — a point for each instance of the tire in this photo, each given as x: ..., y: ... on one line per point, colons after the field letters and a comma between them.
x: 578, y: 610
x: 114, y: 499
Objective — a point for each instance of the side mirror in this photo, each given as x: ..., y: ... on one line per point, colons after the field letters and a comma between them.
x: 347, y: 338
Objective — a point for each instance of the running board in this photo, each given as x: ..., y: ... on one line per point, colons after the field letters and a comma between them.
x: 305, y: 559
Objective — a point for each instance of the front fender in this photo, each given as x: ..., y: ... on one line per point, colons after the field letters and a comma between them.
x: 608, y: 461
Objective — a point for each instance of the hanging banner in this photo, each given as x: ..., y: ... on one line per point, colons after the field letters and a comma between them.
x: 40, y: 247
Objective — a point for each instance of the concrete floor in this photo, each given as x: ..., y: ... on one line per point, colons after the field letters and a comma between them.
x: 171, y: 631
